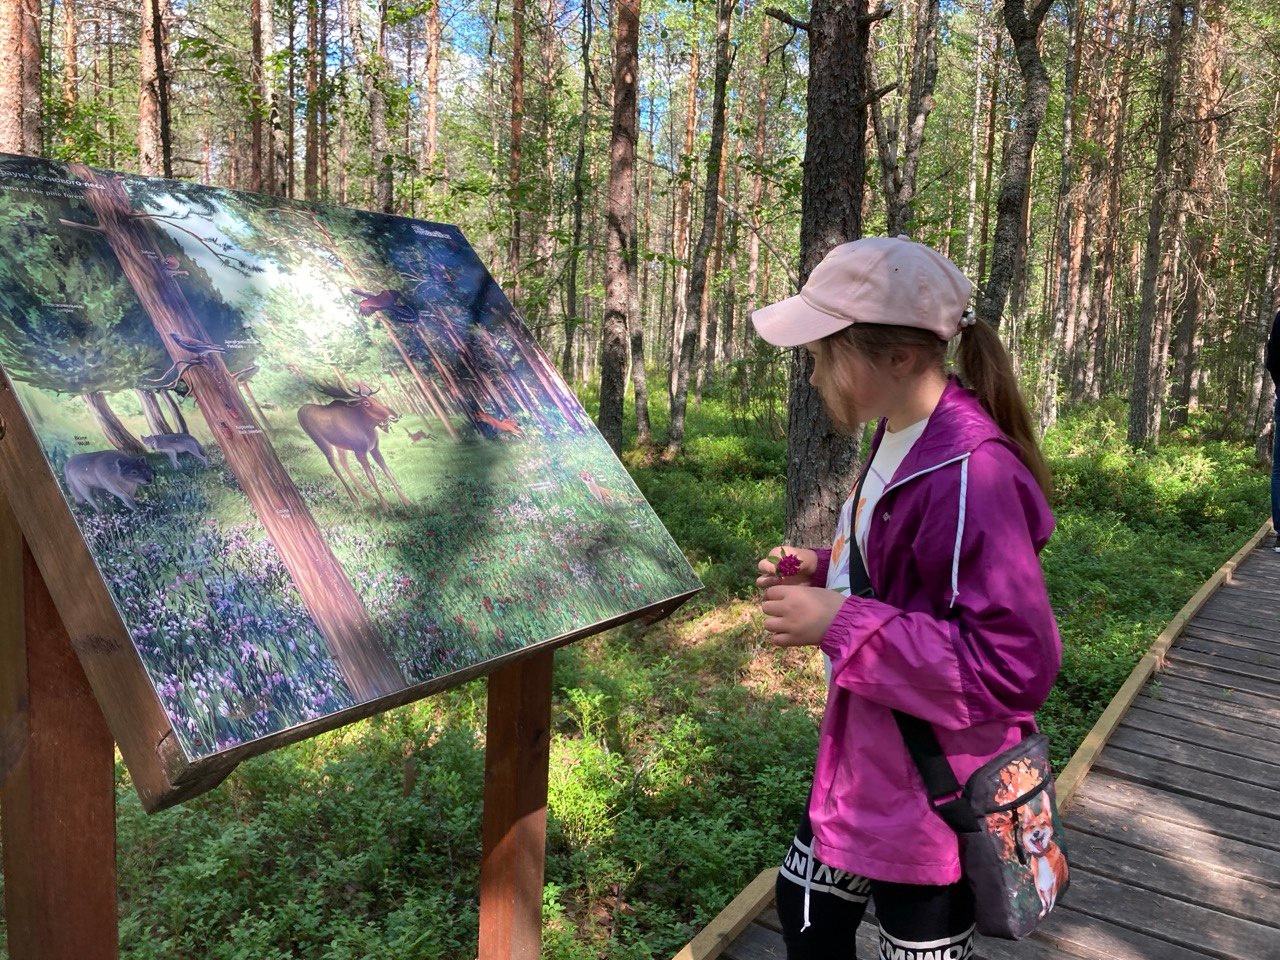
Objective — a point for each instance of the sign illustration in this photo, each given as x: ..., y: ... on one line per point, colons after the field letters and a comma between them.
x: 318, y: 461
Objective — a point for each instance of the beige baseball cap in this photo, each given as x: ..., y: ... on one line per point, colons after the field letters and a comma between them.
x: 889, y: 280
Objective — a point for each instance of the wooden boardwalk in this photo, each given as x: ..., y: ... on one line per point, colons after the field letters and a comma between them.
x: 1172, y: 802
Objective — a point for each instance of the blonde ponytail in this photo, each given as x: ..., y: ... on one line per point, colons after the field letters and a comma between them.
x: 985, y: 368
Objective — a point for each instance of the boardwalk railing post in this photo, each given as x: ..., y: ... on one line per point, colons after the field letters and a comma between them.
x: 514, y: 836
x: 57, y: 770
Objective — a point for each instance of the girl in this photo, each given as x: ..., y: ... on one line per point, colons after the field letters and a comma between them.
x: 950, y: 516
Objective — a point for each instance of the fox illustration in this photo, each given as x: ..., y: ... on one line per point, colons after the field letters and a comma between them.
x: 502, y: 425
x: 116, y: 473
x: 174, y: 444
x: 604, y: 496
x: 1048, y: 865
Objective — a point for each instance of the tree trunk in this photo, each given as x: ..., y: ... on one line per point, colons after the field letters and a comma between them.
x: 1144, y: 404
x: 639, y: 382
x: 311, y: 156
x: 684, y: 217
x: 821, y: 460
x: 155, y: 151
x: 1053, y: 350
x: 516, y: 145
x: 701, y: 252
x: 370, y: 65
x: 989, y: 154
x: 322, y: 584
x: 757, y: 176
x: 20, y: 60
x: 70, y: 64
x: 620, y: 217
x: 970, y: 248
x: 156, y: 422
x: 175, y: 412
x: 898, y: 167
x: 113, y: 430
x: 257, y: 154
x: 571, y: 317
x: 433, y: 90
x: 1024, y: 27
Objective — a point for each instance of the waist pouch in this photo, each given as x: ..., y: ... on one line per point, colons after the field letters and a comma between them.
x: 1015, y: 858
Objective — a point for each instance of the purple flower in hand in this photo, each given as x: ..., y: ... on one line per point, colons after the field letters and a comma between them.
x: 788, y: 565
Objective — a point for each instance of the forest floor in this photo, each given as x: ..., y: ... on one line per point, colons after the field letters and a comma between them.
x: 680, y: 751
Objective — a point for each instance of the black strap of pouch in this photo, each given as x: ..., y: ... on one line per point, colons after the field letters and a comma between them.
x: 945, y: 795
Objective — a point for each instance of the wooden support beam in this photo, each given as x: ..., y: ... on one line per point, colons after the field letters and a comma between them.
x: 517, y: 753
x: 57, y: 803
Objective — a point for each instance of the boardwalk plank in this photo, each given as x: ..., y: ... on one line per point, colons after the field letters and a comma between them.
x: 1253, y: 669
x: 1192, y: 725
x: 756, y: 943
x: 1252, y: 657
x: 1205, y: 630
x: 1183, y: 840
x: 1070, y: 933
x: 867, y: 938
x: 1230, y: 683
x: 1201, y: 759
x: 1252, y: 827
x: 1179, y: 921
x: 1245, y: 706
x: 1247, y: 622
x: 1255, y: 576
x: 1186, y: 781
x: 1211, y: 684
x: 1250, y: 589
x: 1178, y: 878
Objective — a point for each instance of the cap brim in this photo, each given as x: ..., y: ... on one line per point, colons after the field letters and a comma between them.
x: 793, y: 322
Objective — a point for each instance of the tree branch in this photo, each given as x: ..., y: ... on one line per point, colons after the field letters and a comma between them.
x: 751, y: 225
x: 80, y: 226
x: 881, y: 14
x: 786, y: 18
x: 875, y: 95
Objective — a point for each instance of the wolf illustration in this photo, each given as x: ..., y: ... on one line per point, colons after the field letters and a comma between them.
x: 116, y: 473
x: 1048, y: 865
x: 174, y: 444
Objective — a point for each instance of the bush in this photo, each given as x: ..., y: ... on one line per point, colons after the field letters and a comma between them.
x: 681, y: 753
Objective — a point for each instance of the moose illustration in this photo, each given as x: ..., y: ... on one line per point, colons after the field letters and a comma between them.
x: 350, y: 424
x: 388, y: 300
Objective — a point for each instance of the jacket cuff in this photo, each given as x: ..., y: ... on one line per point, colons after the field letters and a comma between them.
x: 837, y: 643
x: 819, y: 578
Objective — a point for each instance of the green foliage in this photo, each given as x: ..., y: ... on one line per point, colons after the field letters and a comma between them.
x: 672, y: 782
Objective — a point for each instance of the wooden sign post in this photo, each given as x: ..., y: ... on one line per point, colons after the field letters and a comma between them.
x: 57, y: 777
x: 514, y: 838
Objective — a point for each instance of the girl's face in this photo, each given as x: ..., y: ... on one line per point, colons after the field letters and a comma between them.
x: 854, y: 388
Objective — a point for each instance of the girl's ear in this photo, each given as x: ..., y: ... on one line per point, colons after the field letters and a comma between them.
x: 903, y: 361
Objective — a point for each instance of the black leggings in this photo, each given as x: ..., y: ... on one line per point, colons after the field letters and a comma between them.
x: 916, y: 922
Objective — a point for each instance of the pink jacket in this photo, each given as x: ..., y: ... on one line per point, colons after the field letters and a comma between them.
x: 961, y: 634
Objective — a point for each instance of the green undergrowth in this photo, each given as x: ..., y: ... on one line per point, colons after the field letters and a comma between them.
x: 680, y: 753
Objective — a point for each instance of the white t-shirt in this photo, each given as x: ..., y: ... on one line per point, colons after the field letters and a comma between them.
x: 893, y: 449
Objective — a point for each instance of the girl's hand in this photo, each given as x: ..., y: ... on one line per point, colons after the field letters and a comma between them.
x: 799, y: 616
x: 768, y: 567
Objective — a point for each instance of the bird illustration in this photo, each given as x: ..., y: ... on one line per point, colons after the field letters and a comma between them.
x: 388, y: 300
x: 200, y: 347
x: 171, y: 265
